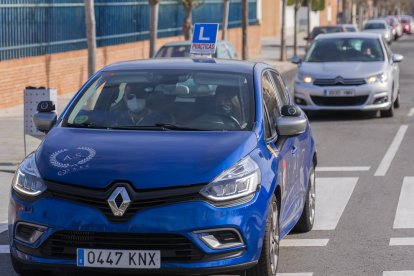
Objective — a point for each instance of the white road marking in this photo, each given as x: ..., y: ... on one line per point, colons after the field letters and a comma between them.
x: 399, y: 273
x: 401, y: 241
x: 303, y: 242
x: 332, y: 196
x: 295, y: 274
x: 342, y: 169
x: 411, y: 112
x: 404, y: 216
x: 4, y: 249
x: 392, y: 150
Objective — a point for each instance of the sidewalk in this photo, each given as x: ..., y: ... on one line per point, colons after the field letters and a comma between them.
x: 11, y: 119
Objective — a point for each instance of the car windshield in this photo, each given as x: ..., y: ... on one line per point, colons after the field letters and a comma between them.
x: 325, y: 30
x: 165, y: 100
x: 345, y: 50
x: 174, y: 51
x: 374, y: 26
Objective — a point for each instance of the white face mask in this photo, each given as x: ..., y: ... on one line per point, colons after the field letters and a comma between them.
x: 136, y: 105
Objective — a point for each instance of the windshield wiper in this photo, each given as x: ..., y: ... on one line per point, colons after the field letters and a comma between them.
x: 85, y: 125
x: 175, y: 127
x: 157, y: 126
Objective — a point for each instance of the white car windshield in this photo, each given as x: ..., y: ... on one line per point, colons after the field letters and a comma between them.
x: 345, y: 50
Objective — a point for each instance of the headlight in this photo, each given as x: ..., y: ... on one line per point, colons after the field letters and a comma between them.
x: 304, y: 78
x: 239, y: 181
x: 27, y: 179
x: 377, y: 78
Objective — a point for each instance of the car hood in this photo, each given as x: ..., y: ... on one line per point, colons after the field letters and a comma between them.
x: 352, y: 70
x: 147, y: 159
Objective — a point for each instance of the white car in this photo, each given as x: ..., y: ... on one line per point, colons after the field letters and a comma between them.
x: 379, y: 26
x: 348, y: 71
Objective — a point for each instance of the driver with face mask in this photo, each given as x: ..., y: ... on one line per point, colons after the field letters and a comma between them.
x: 138, y: 114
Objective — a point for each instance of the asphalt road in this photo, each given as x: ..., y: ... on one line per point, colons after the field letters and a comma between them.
x: 365, y: 193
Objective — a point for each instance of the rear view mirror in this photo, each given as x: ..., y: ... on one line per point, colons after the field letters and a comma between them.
x: 397, y: 58
x: 293, y: 123
x: 296, y: 60
x: 45, y: 118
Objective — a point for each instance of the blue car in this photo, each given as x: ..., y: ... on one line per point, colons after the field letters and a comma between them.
x: 188, y: 166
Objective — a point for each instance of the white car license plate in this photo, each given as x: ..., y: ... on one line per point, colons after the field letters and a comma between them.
x: 150, y: 259
x: 340, y: 93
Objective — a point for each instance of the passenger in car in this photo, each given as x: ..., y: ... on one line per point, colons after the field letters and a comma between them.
x: 138, y: 113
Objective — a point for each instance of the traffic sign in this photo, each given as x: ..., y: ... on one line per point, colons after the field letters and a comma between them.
x: 204, y: 38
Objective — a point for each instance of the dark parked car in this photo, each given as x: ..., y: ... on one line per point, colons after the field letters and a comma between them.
x: 323, y: 30
x: 224, y: 50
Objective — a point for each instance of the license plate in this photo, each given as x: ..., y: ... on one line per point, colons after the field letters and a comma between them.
x: 150, y: 259
x: 340, y: 93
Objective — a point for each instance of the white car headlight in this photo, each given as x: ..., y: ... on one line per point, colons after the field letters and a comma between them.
x: 27, y: 180
x: 382, y: 78
x: 304, y: 78
x: 239, y: 181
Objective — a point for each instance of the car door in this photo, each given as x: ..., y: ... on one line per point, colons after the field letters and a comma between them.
x: 395, y: 69
x: 283, y: 149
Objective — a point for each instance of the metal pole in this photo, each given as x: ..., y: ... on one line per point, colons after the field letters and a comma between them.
x: 225, y: 18
x: 154, y: 4
x: 283, y: 35
x: 91, y: 35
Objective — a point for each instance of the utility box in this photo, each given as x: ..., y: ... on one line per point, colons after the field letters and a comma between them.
x: 32, y: 97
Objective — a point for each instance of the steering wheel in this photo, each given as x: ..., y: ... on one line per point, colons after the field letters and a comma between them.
x: 228, y: 118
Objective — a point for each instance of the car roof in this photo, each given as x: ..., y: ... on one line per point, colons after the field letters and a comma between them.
x: 349, y: 35
x: 377, y: 21
x: 187, y: 43
x: 224, y: 65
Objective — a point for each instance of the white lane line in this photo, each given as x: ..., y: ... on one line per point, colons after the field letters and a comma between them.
x: 398, y: 273
x: 342, y: 169
x: 411, y: 112
x: 332, y: 196
x: 404, y: 216
x: 401, y: 241
x: 303, y: 242
x: 392, y: 150
x: 295, y: 274
x: 4, y: 249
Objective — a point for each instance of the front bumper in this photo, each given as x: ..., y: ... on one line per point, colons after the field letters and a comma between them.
x: 184, y: 219
x: 367, y: 97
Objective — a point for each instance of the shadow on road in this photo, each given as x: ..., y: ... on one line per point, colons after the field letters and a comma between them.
x: 329, y: 116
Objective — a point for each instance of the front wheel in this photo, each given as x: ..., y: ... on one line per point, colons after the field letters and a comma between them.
x: 305, y: 223
x: 389, y: 112
x: 269, y: 256
x: 397, y: 101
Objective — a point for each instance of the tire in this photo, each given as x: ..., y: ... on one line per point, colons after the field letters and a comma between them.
x: 388, y: 113
x: 305, y: 223
x: 22, y: 270
x: 397, y: 101
x: 269, y: 257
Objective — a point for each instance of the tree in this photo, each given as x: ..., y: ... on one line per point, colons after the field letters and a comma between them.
x: 153, y: 4
x: 295, y: 37
x: 90, y: 35
x: 188, y: 6
x: 309, y: 17
x: 283, y: 33
x: 245, y: 23
x: 225, y: 18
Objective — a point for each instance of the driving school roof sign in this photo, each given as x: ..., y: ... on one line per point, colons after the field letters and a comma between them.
x: 204, y: 38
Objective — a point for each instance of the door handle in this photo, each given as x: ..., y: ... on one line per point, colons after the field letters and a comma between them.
x: 294, y: 150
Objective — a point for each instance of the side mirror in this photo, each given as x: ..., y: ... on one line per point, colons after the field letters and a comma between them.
x: 397, y: 58
x: 292, y: 125
x: 291, y: 110
x: 306, y: 38
x: 296, y: 60
x: 45, y: 118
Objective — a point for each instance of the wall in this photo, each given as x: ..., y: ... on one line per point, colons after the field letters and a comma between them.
x: 271, y: 17
x: 329, y: 17
x: 68, y: 71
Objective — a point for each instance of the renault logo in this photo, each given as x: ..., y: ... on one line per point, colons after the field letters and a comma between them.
x: 119, y: 201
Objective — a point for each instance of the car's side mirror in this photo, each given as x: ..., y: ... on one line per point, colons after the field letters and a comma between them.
x: 45, y: 117
x: 397, y: 58
x: 296, y: 60
x: 306, y: 38
x: 293, y: 123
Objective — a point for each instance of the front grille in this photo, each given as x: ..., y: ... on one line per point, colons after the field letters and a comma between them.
x: 140, y: 199
x: 339, y: 101
x: 174, y: 248
x: 339, y: 82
